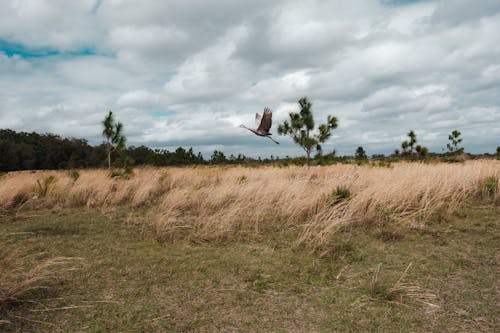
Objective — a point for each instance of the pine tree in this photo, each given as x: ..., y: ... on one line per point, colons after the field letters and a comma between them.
x: 301, y: 128
x: 115, y: 140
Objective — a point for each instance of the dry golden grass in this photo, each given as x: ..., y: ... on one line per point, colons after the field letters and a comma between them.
x: 207, y: 204
x: 20, y: 274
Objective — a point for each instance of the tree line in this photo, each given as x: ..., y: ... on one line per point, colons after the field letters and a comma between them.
x: 34, y: 151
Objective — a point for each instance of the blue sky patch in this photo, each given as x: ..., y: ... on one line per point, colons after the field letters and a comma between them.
x: 11, y: 49
x: 159, y: 113
x: 400, y: 2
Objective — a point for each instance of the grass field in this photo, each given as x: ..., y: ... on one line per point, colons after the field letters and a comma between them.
x: 129, y: 283
x: 412, y: 248
x: 227, y: 204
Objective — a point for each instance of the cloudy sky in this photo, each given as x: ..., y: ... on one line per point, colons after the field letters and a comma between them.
x: 188, y: 72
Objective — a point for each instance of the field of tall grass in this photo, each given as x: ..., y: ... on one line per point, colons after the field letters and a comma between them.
x: 221, y: 204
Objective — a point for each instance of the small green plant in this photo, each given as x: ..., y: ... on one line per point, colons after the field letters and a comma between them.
x: 383, y: 164
x: 384, y: 213
x: 74, y: 175
x: 242, y: 179
x: 341, y: 193
x: 451, y: 159
x: 115, y: 173
x: 490, y: 188
x: 128, y: 165
x: 382, y: 290
x: 127, y: 170
x: 43, y: 187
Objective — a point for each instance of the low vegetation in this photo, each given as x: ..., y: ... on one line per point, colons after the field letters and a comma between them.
x: 225, y: 204
x: 441, y: 277
x: 22, y: 274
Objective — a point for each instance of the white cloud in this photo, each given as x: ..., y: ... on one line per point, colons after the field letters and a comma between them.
x: 188, y: 72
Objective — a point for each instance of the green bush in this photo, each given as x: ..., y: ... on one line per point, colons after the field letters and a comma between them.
x: 73, y: 174
x: 242, y: 179
x: 43, y: 187
x: 115, y: 173
x: 490, y: 188
x: 128, y: 165
x: 341, y: 193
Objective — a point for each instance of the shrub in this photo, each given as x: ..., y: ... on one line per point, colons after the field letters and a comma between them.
x: 73, y: 174
x: 340, y: 194
x: 42, y: 188
x: 128, y: 165
x: 490, y: 187
x: 383, y: 164
x: 242, y: 179
x: 115, y: 173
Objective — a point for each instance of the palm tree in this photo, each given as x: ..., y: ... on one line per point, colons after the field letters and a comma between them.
x: 115, y: 140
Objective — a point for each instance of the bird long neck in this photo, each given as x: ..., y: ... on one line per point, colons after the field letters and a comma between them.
x: 250, y: 129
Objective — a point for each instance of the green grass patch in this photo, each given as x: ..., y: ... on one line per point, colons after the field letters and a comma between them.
x: 128, y: 282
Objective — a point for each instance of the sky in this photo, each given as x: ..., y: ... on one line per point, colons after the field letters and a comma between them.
x: 188, y: 72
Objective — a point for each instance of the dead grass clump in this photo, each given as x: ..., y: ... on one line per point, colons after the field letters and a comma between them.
x: 20, y: 274
x: 400, y: 292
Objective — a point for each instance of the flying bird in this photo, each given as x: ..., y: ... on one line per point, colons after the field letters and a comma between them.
x: 265, y: 122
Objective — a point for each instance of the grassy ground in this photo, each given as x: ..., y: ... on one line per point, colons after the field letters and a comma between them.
x: 129, y: 283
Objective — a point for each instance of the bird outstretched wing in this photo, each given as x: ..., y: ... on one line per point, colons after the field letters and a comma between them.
x: 258, y: 118
x: 266, y: 121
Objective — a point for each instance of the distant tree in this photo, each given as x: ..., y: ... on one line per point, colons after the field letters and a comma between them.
x: 115, y: 140
x: 413, y: 140
x: 408, y: 146
x: 199, y: 158
x: 404, y: 148
x: 33, y: 151
x: 325, y: 159
x: 301, y: 128
x: 455, y: 140
x: 498, y: 152
x: 218, y: 157
x: 422, y: 152
x: 360, y: 154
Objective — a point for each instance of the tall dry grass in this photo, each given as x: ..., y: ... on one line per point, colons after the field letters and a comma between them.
x: 228, y: 203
